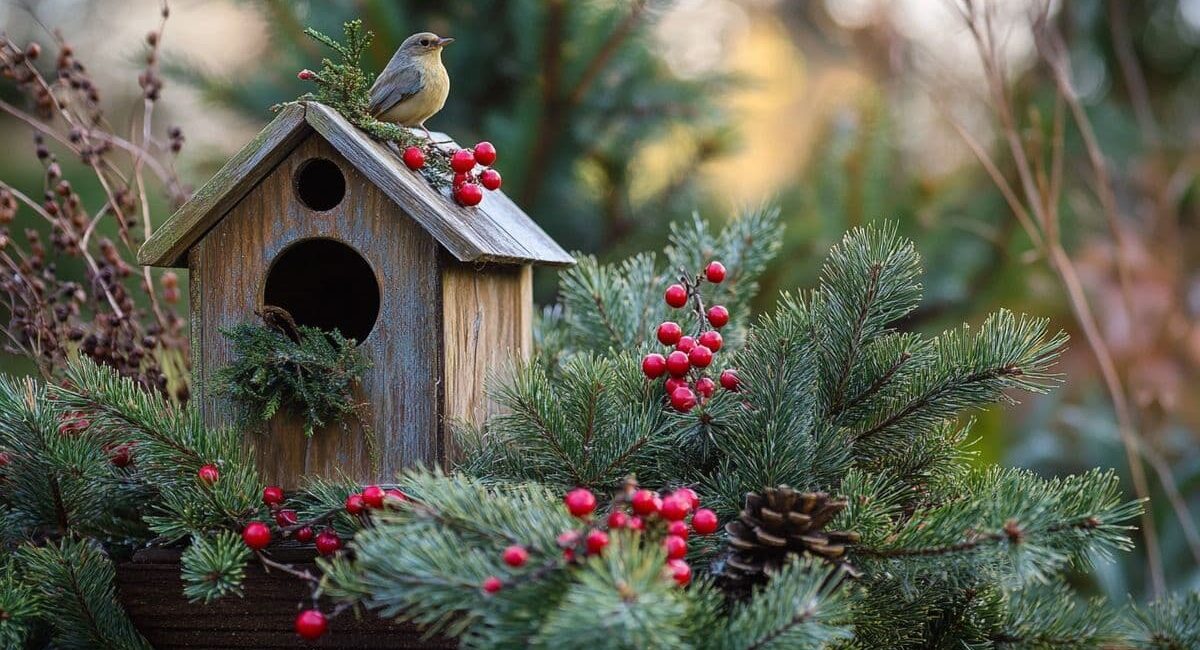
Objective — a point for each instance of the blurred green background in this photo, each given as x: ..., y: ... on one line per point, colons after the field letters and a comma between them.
x: 614, y: 118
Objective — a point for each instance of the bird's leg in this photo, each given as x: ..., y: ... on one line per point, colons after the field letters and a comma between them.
x: 428, y: 135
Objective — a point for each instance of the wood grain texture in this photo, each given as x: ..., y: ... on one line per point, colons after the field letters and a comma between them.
x: 488, y: 324
x: 401, y: 390
x: 169, y: 244
x: 151, y: 590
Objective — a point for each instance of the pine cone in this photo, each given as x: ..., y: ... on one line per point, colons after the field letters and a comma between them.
x: 775, y: 525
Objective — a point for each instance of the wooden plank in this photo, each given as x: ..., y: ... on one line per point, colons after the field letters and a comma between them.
x: 195, y: 320
x: 494, y: 231
x: 487, y: 325
x: 401, y: 389
x: 170, y: 242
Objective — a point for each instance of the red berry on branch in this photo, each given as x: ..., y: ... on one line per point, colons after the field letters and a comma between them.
x: 491, y: 179
x: 306, y: 75
x: 705, y: 521
x: 729, y: 379
x: 617, y: 519
x: 515, y: 556
x: 414, y: 158
x: 372, y: 495
x: 675, y: 508
x: 700, y: 356
x: 567, y: 539
x: 354, y: 504
x: 596, y: 541
x: 256, y: 535
x: 718, y: 316
x: 683, y: 399
x: 393, y: 498
x: 711, y: 340
x: 706, y: 386
x: 485, y: 153
x: 580, y: 502
x: 469, y: 194
x: 492, y: 584
x: 681, y: 573
x: 686, y: 343
x: 645, y: 502
x: 5, y: 459
x: 693, y: 499
x: 674, y: 382
x: 676, y: 547
x: 272, y: 495
x: 328, y: 542
x: 208, y: 474
x: 654, y: 365
x: 669, y: 333
x: 304, y: 535
x: 311, y: 624
x: 715, y: 272
x: 286, y: 517
x: 460, y: 178
x: 677, y: 528
x: 676, y: 296
x: 462, y: 161
x: 121, y: 455
x: 636, y: 523
x: 677, y: 363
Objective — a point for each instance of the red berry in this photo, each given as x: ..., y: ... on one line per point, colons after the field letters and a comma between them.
x: 492, y: 584
x: 718, y: 316
x: 121, y: 455
x: 645, y: 502
x: 355, y: 504
x: 636, y: 523
x: 5, y: 459
x: 462, y: 161
x: 705, y: 521
x: 208, y: 474
x: 414, y: 158
x: 272, y: 495
x: 567, y: 539
x: 617, y: 519
x: 580, y: 502
x: 686, y: 343
x: 286, y: 518
x: 328, y: 542
x: 311, y: 624
x: 677, y: 528
x: 729, y: 379
x: 515, y: 556
x: 676, y: 296
x: 306, y: 75
x: 715, y: 272
x: 669, y: 333
x: 491, y: 179
x: 654, y: 365
x: 711, y: 340
x: 683, y: 399
x: 706, y: 386
x: 675, y: 508
x: 304, y: 535
x: 681, y: 573
x: 372, y: 495
x: 596, y: 541
x: 394, y: 497
x: 459, y: 179
x: 256, y: 535
x: 485, y: 153
x: 677, y: 363
x: 469, y: 194
x: 700, y: 356
x: 674, y: 382
x: 676, y: 547
x: 693, y: 499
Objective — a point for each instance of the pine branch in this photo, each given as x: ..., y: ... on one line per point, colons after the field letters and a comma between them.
x: 1168, y: 624
x: 214, y: 566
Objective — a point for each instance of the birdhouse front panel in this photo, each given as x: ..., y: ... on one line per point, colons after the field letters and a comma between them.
x: 316, y: 238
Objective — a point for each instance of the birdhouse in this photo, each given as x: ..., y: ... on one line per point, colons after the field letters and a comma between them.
x: 317, y: 218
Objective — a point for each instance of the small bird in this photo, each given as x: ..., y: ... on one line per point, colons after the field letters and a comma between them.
x: 414, y: 85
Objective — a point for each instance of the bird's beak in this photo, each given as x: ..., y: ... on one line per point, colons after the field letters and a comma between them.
x: 443, y: 42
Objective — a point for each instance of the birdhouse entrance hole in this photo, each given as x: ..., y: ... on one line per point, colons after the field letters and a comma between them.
x: 320, y: 184
x: 327, y: 284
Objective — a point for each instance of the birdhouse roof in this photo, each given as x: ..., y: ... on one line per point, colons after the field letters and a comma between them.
x: 495, y: 231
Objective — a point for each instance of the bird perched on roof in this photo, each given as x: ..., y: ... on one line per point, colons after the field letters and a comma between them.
x: 414, y: 85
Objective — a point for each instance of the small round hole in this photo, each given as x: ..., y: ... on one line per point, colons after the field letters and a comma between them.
x: 325, y: 284
x: 320, y: 184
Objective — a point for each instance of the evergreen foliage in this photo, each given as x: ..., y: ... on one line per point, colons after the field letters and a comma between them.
x: 214, y: 566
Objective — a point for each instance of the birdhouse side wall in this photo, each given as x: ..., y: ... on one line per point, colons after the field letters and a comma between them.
x: 229, y: 270
x: 488, y: 324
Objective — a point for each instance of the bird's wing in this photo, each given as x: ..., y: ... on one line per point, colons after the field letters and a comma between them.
x: 395, y: 84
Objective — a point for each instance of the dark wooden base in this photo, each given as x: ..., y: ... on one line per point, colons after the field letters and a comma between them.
x: 152, y: 591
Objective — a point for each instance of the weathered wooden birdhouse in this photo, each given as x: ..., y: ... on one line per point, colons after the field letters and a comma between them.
x: 316, y: 217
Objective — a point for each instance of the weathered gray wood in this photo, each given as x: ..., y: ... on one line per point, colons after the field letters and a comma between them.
x: 494, y: 231
x: 402, y: 389
x: 169, y: 244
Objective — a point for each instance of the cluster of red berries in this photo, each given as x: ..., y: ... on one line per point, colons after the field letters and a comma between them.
x: 688, y: 383
x: 472, y: 168
x: 641, y: 511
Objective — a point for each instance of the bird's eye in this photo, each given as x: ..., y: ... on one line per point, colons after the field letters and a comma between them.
x: 425, y: 42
